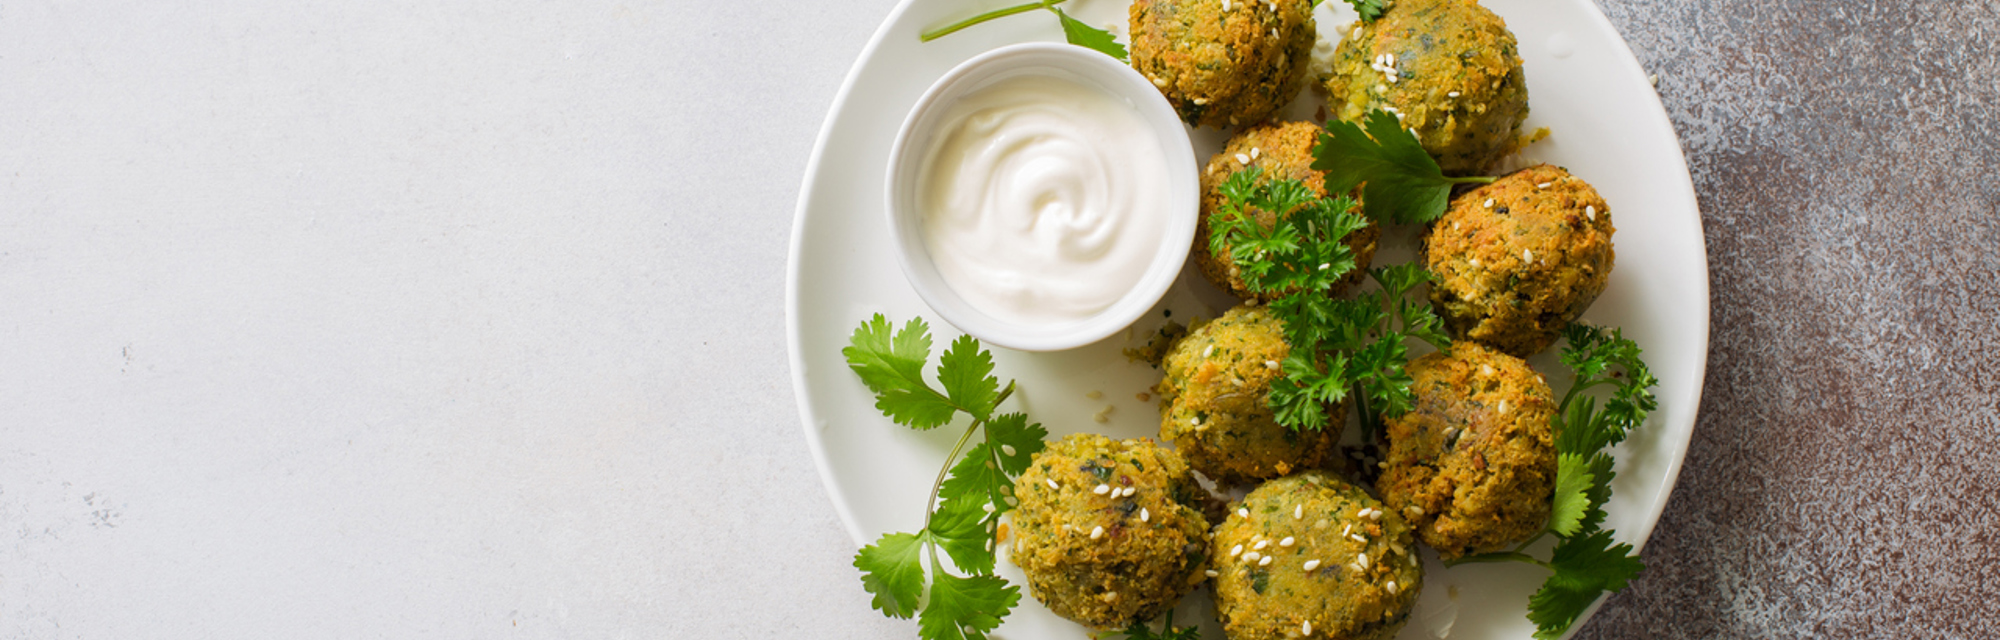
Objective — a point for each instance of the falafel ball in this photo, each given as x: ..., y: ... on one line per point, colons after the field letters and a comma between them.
x: 1284, y: 151
x: 1448, y: 68
x: 1213, y: 403
x: 1223, y: 62
x: 1473, y: 464
x: 1109, y: 531
x: 1310, y: 555
x: 1519, y: 259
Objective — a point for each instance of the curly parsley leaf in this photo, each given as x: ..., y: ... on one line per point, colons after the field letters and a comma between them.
x: 966, y: 608
x: 892, y: 569
x: 1090, y: 37
x: 1369, y: 9
x: 1585, y: 567
x: 892, y: 365
x: 966, y: 503
x: 1339, y: 347
x: 1399, y: 181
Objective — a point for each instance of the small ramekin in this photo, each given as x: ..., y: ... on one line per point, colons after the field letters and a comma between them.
x: 1074, y: 63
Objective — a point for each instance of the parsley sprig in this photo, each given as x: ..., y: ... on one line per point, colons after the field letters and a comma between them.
x: 1338, y: 346
x: 967, y: 499
x: 1586, y: 562
x: 1399, y: 181
x: 1074, y: 30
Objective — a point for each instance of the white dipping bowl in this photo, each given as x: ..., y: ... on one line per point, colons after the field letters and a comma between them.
x: 1076, y: 64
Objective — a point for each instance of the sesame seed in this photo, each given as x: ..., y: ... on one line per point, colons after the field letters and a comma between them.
x: 1096, y: 532
x: 1261, y: 544
x: 1159, y: 82
x: 1288, y: 541
x: 1251, y: 556
x: 988, y: 507
x: 1253, y: 153
x: 1357, y: 33
x: 1414, y: 511
x: 1363, y: 513
x: 1094, y: 394
x: 1007, y: 449
x: 989, y: 545
x: 1196, y: 421
x: 1359, y: 538
x: 1264, y: 562
x: 1208, y: 351
x: 1236, y: 551
x: 1544, y: 185
x: 1345, y: 529
x: 1211, y: 573
x: 1454, y: 226
x: 1243, y: 512
x: 1225, y: 5
x: 1270, y: 364
x: 1013, y: 502
x: 1130, y: 490
x: 1398, y: 548
x: 1485, y: 369
x: 1381, y: 89
x: 1503, y: 407
x: 1591, y: 212
x: 1312, y: 564
x: 1453, y: 94
x: 1053, y: 485
x: 1360, y: 559
x: 1242, y: 159
x: 1391, y: 586
x: 1392, y: 77
x: 1101, y: 489
x: 1489, y: 203
x: 1306, y: 629
x: 1145, y: 516
x: 1527, y: 255
x: 1357, y: 568
x: 1474, y: 261
x: 1391, y: 57
x: 1299, y: 512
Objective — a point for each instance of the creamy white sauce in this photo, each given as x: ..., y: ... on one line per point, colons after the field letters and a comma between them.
x: 1044, y: 199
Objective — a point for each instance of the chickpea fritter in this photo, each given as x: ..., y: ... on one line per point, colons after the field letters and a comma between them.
x: 1213, y: 404
x: 1284, y: 151
x: 1511, y: 275
x: 1473, y: 464
x: 1448, y: 68
x: 1109, y: 531
x: 1310, y: 555
x: 1223, y: 62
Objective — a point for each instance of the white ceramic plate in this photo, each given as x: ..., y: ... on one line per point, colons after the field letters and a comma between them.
x: 1608, y: 128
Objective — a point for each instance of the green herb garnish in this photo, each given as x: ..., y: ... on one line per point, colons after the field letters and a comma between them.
x: 974, y: 493
x: 1399, y: 181
x: 1139, y: 630
x: 1586, y: 562
x: 1369, y: 9
x: 1074, y: 30
x: 1338, y: 346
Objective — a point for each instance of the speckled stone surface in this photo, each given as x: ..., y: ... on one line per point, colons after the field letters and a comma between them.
x: 1842, y: 481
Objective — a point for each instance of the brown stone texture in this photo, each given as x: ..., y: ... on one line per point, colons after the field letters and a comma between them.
x: 1843, y: 478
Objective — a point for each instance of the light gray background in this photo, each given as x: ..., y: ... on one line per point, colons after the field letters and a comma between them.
x: 356, y: 319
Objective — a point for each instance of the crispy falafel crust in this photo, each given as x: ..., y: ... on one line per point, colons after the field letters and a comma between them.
x: 1441, y: 48
x: 1512, y: 275
x: 1223, y: 68
x: 1473, y: 464
x: 1108, y: 559
x: 1300, y: 519
x: 1214, y: 407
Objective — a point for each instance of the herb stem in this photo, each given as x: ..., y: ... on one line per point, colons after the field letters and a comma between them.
x: 930, y: 508
x: 1524, y: 545
x: 1472, y: 180
x: 955, y: 27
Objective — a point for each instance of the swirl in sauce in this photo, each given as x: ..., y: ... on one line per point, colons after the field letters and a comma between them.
x: 1043, y: 198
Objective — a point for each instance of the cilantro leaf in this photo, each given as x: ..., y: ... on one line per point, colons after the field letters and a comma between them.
x: 1399, y: 181
x: 966, y: 608
x: 892, y: 365
x: 1585, y: 567
x: 961, y: 525
x: 1090, y: 37
x: 1369, y: 9
x: 963, y: 370
x: 1572, y: 499
x: 892, y: 569
x: 1016, y: 440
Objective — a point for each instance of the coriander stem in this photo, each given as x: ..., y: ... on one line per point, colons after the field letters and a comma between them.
x: 1524, y: 545
x: 952, y: 28
x: 930, y: 508
x: 1472, y: 180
